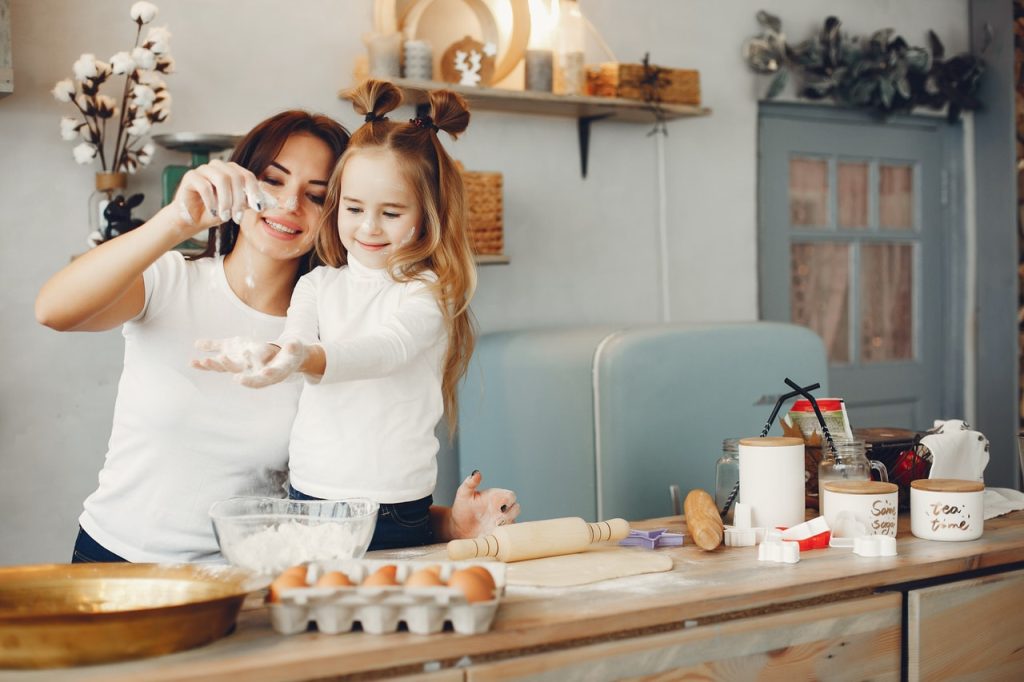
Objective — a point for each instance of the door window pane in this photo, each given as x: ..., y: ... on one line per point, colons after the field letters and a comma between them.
x: 896, y: 197
x: 808, y: 192
x: 820, y: 294
x: 886, y: 302
x: 852, y: 194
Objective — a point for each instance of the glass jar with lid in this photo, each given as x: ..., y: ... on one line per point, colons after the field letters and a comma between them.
x: 848, y: 463
x: 727, y: 476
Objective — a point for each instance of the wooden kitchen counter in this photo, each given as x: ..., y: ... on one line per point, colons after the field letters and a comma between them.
x: 538, y: 629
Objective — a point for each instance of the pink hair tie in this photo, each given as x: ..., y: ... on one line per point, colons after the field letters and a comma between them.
x: 424, y: 122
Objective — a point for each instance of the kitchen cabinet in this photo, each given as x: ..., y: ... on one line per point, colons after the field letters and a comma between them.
x: 715, y: 615
x: 969, y: 628
x: 820, y: 643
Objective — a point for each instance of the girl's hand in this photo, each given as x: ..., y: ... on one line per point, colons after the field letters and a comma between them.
x: 286, y: 362
x: 478, y: 512
x: 215, y: 193
x: 236, y: 355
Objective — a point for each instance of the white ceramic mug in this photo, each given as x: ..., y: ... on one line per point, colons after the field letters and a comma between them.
x: 947, y: 509
x: 871, y: 504
x: 772, y: 480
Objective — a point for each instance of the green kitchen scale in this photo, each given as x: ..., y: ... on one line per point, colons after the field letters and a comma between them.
x: 200, y: 146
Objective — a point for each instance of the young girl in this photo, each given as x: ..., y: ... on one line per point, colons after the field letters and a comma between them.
x: 384, y: 335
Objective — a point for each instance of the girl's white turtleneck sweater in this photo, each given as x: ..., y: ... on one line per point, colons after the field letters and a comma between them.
x: 366, y: 429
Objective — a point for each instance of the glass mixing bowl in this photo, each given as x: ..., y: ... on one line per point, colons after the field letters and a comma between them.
x: 268, y: 535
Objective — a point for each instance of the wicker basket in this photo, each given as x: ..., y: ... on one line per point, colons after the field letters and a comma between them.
x: 484, y: 204
x: 615, y: 79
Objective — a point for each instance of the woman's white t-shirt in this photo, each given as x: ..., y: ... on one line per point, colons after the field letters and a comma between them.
x: 184, y: 438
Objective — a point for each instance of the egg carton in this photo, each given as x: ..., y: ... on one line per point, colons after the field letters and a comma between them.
x: 378, y: 609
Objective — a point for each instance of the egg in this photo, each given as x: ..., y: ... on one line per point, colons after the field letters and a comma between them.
x: 288, y: 580
x: 472, y: 584
x: 485, y: 574
x: 425, y: 577
x: 299, y: 570
x: 334, y: 579
x: 382, y: 577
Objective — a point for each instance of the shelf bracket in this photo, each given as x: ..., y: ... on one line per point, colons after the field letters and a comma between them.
x: 583, y: 128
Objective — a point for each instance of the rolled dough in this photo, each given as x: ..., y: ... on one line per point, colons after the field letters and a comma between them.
x: 596, y: 564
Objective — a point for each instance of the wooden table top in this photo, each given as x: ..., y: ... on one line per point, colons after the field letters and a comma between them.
x: 702, y: 586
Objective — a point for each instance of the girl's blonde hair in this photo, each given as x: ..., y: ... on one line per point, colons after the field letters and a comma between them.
x: 441, y: 245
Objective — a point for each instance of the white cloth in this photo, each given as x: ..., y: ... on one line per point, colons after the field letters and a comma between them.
x: 366, y: 429
x: 957, y: 451
x: 999, y: 501
x: 182, y: 438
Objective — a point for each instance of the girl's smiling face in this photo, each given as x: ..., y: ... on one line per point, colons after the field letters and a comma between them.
x: 378, y: 212
x: 296, y: 181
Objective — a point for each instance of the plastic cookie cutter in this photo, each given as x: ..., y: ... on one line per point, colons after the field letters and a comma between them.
x: 649, y: 539
x: 845, y: 528
x: 874, y: 545
x: 740, y: 534
x: 781, y: 551
x: 813, y: 534
x: 742, y: 537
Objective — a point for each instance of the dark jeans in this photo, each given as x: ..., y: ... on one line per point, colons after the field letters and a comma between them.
x: 403, y: 524
x: 88, y: 551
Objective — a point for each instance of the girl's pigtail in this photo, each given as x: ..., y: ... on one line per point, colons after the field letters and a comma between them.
x: 373, y: 99
x: 453, y: 259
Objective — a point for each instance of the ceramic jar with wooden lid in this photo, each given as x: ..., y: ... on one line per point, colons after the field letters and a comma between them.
x: 947, y: 509
x: 856, y: 508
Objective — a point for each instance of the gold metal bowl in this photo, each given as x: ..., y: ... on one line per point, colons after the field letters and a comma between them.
x: 57, y: 615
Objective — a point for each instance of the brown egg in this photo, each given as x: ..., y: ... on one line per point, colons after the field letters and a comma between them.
x: 382, y: 577
x: 334, y: 579
x: 472, y: 584
x: 299, y: 570
x: 485, y: 574
x: 425, y: 577
x: 286, y: 581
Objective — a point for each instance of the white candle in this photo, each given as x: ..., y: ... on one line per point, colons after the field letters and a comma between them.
x: 772, y: 480
x: 419, y: 61
x: 539, y: 70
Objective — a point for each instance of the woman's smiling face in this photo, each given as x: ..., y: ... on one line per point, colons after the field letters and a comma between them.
x: 378, y: 212
x: 296, y: 181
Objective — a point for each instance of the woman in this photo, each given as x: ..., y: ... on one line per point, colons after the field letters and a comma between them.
x: 182, y: 439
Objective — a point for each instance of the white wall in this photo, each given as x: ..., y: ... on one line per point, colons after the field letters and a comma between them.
x: 583, y: 251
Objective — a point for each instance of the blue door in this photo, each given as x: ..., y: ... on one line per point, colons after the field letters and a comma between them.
x: 857, y: 239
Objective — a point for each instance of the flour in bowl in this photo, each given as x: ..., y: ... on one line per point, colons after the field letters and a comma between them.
x: 291, y: 543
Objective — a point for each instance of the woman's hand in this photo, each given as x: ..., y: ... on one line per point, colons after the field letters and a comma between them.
x: 215, y: 193
x: 478, y: 512
x: 253, y: 363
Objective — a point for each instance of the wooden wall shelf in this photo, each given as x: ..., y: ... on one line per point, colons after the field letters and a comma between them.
x: 491, y: 259
x: 548, y: 104
x: 585, y: 109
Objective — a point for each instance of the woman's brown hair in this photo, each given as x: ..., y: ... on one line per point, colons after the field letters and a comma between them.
x: 441, y: 247
x: 259, y: 148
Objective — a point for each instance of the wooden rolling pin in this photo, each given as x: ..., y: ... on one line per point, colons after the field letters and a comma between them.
x: 702, y: 520
x: 535, y: 539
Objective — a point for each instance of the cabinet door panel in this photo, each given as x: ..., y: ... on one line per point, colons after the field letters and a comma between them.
x: 856, y: 640
x: 971, y: 628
